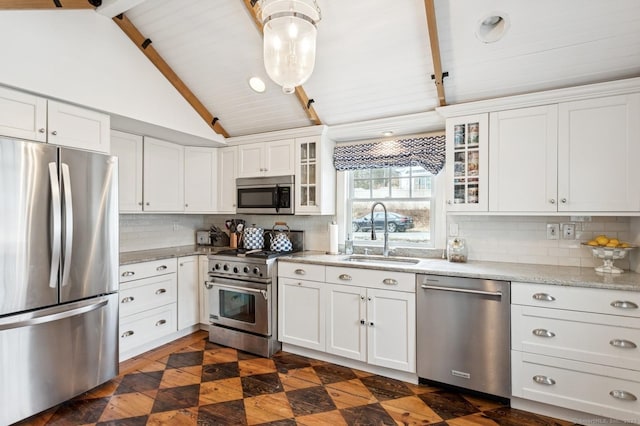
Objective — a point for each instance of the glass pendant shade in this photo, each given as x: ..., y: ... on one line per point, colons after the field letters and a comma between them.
x: 289, y: 29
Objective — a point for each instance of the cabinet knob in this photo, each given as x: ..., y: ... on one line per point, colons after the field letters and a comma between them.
x: 139, y: 203
x: 362, y: 321
x: 449, y: 202
x: 186, y: 205
x: 563, y: 201
x: 544, y: 380
x: 54, y: 133
x: 361, y: 297
x: 371, y: 324
x: 623, y: 395
x: 552, y: 201
x: 41, y: 130
x: 147, y: 203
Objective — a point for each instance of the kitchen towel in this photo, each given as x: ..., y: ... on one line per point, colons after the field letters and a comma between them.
x: 333, y: 238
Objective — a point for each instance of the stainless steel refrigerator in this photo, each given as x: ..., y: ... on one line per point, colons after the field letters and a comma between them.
x: 58, y: 275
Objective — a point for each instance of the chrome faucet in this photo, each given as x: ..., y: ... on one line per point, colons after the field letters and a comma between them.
x: 385, y: 250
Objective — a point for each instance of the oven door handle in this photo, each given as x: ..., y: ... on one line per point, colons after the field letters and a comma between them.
x: 240, y: 289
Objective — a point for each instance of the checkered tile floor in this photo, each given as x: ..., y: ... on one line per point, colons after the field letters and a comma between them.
x: 195, y: 382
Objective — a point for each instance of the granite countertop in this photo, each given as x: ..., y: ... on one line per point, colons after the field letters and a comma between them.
x: 530, y: 273
x: 129, y: 257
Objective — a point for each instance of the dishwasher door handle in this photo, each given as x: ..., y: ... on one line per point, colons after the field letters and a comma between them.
x: 462, y: 290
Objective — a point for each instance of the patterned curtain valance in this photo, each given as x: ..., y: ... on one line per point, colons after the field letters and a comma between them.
x: 428, y: 152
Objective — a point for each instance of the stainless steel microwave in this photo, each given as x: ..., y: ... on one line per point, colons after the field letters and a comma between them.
x: 265, y: 195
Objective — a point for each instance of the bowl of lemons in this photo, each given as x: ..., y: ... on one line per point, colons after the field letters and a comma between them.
x: 608, y: 249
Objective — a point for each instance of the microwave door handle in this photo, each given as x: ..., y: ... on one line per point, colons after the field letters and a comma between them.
x: 277, y: 198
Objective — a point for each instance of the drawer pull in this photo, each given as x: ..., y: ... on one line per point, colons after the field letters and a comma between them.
x: 624, y: 304
x: 161, y: 268
x: 161, y: 322
x: 622, y: 343
x: 300, y: 272
x: 541, y: 332
x: 623, y: 395
x: 544, y: 297
x: 544, y: 380
x: 161, y: 291
x: 345, y: 277
x: 128, y: 274
x: 127, y: 299
x: 127, y: 334
x: 390, y: 281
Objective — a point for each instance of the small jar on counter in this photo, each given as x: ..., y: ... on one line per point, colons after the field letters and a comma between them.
x: 457, y: 250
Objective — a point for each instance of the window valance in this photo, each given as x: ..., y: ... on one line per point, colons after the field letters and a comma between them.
x: 428, y: 152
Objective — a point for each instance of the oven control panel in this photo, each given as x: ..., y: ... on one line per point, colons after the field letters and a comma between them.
x: 238, y: 269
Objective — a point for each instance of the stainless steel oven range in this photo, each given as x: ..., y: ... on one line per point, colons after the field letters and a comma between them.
x: 243, y: 298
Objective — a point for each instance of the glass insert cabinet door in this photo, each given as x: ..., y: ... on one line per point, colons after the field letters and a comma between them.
x: 308, y: 163
x: 467, y: 143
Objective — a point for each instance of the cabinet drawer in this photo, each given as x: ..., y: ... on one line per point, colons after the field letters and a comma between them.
x: 613, y: 302
x: 301, y: 271
x: 141, y: 295
x: 372, y: 278
x: 138, y: 329
x: 605, y: 391
x: 600, y: 339
x: 136, y: 271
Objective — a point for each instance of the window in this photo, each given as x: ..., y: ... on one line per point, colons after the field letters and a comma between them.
x: 407, y: 194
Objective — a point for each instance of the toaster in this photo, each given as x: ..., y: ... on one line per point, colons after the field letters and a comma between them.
x: 203, y: 238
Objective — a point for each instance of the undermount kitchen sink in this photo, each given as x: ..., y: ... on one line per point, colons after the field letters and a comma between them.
x: 382, y: 259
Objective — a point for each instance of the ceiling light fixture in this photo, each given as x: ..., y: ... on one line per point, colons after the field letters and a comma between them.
x: 492, y: 27
x: 289, y: 29
x: 257, y: 84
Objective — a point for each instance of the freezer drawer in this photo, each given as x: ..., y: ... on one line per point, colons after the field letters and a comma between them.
x: 52, y: 355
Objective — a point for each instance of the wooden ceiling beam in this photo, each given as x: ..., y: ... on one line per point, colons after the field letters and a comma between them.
x: 305, y: 102
x: 432, y: 26
x: 46, y: 4
x: 144, y: 44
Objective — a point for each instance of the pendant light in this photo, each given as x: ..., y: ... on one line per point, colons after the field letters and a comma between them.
x: 289, y: 30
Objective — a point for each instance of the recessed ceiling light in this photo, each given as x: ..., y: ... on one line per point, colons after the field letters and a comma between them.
x: 492, y: 27
x: 387, y: 133
x: 257, y: 84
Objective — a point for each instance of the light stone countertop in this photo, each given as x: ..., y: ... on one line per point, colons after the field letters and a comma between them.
x: 130, y: 257
x: 530, y: 273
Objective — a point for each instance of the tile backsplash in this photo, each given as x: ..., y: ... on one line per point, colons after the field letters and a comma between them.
x: 523, y: 239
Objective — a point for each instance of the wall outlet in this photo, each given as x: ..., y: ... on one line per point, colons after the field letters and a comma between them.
x: 568, y: 231
x: 553, y: 231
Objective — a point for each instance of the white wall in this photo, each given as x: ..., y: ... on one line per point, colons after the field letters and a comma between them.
x: 523, y: 238
x: 82, y: 57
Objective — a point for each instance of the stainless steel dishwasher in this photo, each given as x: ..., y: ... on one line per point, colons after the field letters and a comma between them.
x: 463, y: 333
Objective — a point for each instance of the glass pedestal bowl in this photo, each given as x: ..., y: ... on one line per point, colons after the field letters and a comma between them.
x: 608, y: 255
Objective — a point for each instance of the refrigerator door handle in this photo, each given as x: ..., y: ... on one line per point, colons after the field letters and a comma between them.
x: 52, y: 314
x: 68, y: 225
x: 56, y: 220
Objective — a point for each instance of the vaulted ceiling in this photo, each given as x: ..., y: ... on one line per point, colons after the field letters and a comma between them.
x: 375, y: 65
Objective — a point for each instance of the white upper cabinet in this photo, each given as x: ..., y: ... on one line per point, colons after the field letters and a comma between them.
x: 35, y: 118
x: 227, y: 174
x: 467, y: 163
x: 523, y: 160
x: 315, y: 177
x: 76, y: 127
x: 274, y: 158
x: 23, y: 115
x: 128, y: 149
x: 598, y: 152
x: 163, y: 176
x: 200, y: 179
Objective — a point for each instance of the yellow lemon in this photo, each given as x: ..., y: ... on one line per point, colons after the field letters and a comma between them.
x: 592, y: 243
x: 602, y: 240
x: 614, y: 241
x: 625, y: 245
x: 611, y: 245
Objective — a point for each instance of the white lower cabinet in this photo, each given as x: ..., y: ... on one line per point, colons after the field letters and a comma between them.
x: 148, y: 305
x: 188, y: 297
x: 203, y: 275
x: 360, y: 314
x: 577, y: 348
